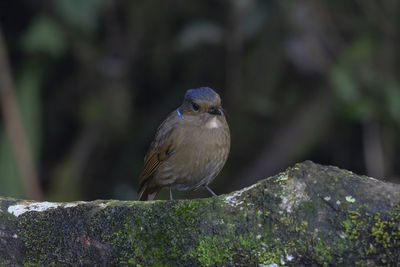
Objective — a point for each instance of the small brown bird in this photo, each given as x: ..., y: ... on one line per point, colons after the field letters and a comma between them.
x: 190, y: 147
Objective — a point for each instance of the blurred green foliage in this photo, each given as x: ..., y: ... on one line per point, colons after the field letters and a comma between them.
x: 44, y: 36
x: 82, y: 15
x: 299, y: 80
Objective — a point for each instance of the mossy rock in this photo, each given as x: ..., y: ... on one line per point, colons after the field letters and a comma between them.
x: 309, y: 214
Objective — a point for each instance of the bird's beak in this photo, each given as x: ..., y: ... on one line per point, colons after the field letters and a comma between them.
x: 215, y: 111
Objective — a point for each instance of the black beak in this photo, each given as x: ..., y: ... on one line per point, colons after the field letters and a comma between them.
x: 215, y: 111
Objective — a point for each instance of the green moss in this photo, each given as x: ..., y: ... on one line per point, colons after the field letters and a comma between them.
x: 187, y: 210
x: 270, y: 257
x: 132, y: 262
x: 257, y: 250
x: 212, y: 250
x: 309, y: 207
x: 30, y: 264
x: 323, y: 253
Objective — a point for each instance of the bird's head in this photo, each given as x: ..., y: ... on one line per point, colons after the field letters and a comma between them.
x: 202, y: 101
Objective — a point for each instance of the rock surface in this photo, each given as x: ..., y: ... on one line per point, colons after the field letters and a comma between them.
x: 308, y: 214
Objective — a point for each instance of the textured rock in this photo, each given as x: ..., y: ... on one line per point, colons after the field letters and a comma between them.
x: 309, y: 214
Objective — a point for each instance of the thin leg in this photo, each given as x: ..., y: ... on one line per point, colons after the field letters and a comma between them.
x: 209, y: 190
x: 170, y: 193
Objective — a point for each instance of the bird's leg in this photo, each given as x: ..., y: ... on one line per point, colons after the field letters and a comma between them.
x: 209, y: 190
x: 170, y: 193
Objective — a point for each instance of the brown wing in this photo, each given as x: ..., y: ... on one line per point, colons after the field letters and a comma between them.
x: 161, y: 149
x: 153, y: 159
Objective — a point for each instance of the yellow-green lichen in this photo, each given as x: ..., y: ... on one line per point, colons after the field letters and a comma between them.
x: 350, y: 199
x: 378, y: 235
x: 283, y: 176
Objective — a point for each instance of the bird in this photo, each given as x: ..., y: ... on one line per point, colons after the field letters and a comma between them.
x: 190, y: 147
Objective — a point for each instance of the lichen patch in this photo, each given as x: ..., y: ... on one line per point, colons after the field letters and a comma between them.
x: 283, y: 176
x: 293, y: 194
x: 20, y: 209
x: 350, y: 199
x: 71, y: 205
x: 234, y: 200
x: 371, y: 178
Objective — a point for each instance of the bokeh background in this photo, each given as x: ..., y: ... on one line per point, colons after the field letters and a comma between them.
x: 92, y: 80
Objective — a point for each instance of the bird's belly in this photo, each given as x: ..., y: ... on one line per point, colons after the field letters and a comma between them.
x: 200, y: 174
x: 193, y: 165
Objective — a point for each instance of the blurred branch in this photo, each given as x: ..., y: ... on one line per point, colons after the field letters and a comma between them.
x: 14, y: 128
x: 373, y: 151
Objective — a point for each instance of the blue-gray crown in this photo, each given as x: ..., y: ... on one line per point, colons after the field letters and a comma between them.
x: 205, y: 93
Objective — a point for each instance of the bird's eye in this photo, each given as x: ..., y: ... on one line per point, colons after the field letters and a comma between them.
x: 195, y: 106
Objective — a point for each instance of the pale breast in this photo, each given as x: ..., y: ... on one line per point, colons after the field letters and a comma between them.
x: 213, y: 123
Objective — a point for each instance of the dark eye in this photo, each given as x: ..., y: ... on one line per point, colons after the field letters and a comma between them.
x: 195, y: 107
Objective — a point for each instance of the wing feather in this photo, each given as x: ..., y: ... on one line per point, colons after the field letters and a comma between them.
x: 153, y: 159
x: 161, y: 149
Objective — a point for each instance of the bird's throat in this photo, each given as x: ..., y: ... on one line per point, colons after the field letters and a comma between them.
x: 213, y: 123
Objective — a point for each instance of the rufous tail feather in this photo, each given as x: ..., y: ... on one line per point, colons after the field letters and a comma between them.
x: 146, y: 193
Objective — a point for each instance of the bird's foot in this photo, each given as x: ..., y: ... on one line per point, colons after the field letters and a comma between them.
x: 209, y: 190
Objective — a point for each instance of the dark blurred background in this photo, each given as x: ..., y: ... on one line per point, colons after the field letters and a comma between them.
x: 300, y: 80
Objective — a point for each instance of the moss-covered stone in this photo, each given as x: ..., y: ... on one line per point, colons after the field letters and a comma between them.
x: 309, y: 214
